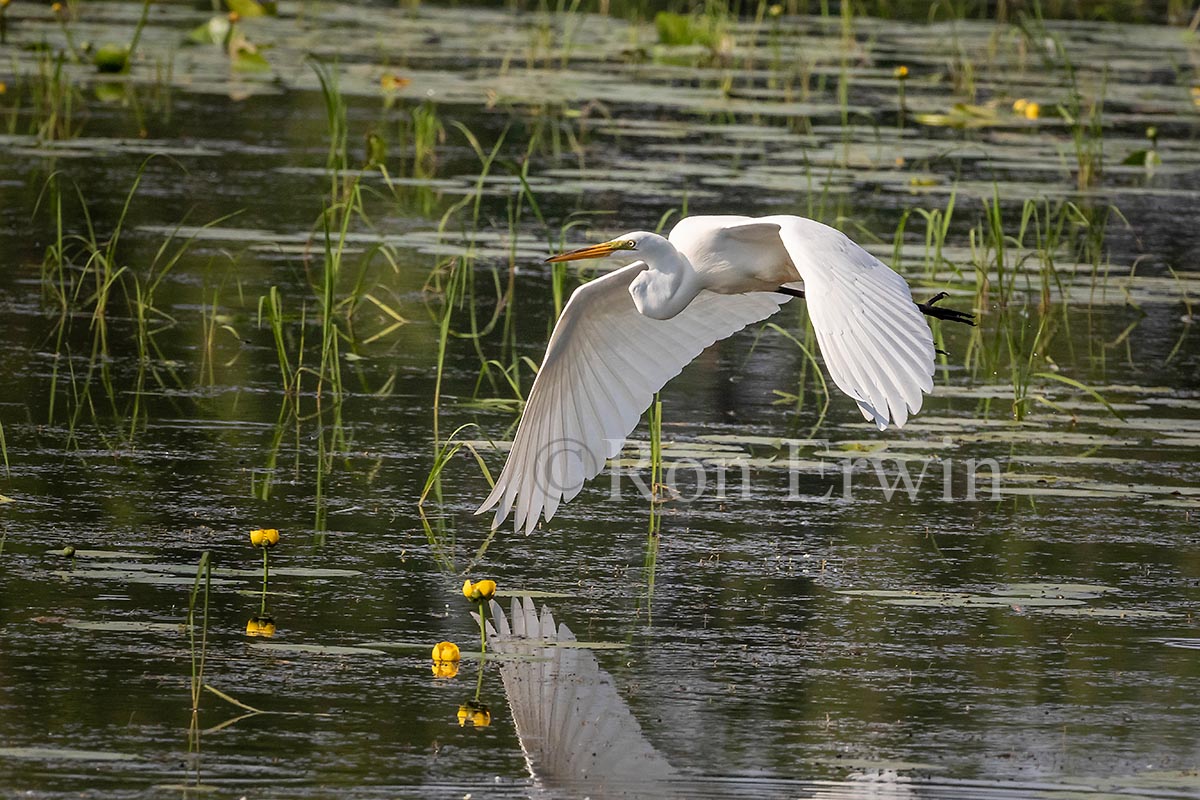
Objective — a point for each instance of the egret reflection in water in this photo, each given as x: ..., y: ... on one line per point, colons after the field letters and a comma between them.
x: 580, y: 737
x: 576, y: 731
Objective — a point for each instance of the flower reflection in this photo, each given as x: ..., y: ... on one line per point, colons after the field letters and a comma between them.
x: 260, y: 626
x: 475, y: 713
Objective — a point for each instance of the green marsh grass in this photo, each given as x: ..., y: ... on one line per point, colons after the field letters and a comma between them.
x: 198, y: 647
x: 454, y: 279
x: 1017, y: 269
x: 89, y: 273
x: 337, y: 159
x: 810, y: 373
x: 4, y: 452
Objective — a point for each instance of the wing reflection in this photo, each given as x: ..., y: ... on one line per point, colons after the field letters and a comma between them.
x: 581, y: 740
x: 577, y: 733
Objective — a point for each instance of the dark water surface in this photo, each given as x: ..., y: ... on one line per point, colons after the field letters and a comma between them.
x: 807, y: 634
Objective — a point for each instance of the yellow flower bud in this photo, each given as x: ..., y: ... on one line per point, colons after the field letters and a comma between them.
x: 1032, y: 110
x: 391, y: 83
x: 1019, y: 105
x: 900, y: 72
x: 481, y: 719
x: 56, y: 8
x: 479, y: 592
x: 775, y: 10
x: 446, y: 651
x: 264, y: 537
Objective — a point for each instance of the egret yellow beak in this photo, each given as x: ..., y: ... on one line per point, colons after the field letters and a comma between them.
x: 592, y: 251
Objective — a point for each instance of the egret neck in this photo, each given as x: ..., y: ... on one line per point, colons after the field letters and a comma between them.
x: 668, y: 284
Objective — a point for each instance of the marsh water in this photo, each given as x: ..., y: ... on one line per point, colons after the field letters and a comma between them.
x: 279, y: 333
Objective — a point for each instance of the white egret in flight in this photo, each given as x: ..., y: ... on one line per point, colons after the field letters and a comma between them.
x: 622, y: 336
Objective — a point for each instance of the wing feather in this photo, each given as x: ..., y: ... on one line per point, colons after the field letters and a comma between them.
x: 877, y: 345
x: 602, y: 367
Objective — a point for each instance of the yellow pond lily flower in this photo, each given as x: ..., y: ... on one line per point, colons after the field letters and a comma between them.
x: 446, y: 651
x: 392, y: 83
x: 1026, y: 108
x: 264, y: 537
x: 479, y: 592
x: 260, y: 626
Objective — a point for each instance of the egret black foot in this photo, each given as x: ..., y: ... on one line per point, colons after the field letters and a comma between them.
x: 948, y: 314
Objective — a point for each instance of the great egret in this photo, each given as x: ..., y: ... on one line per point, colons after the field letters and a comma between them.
x: 622, y: 336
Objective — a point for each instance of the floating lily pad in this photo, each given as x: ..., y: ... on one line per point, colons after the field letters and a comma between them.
x: 1077, y: 590
x: 136, y: 576
x: 1110, y: 613
x: 316, y: 649
x: 530, y: 593
x: 978, y: 601
x: 188, y: 788
x: 63, y: 754
x: 127, y: 626
x: 1186, y: 644
x: 588, y: 645
x: 108, y: 554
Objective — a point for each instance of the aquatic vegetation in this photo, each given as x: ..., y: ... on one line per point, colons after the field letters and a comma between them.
x: 480, y: 591
x: 264, y: 539
x: 398, y: 202
x: 446, y: 651
x: 197, y: 627
x: 480, y: 595
x: 260, y: 626
x: 479, y: 715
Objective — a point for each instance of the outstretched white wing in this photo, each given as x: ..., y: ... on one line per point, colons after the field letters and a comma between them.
x: 602, y: 367
x: 874, y: 339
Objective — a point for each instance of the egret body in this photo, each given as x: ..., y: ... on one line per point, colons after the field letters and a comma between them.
x: 622, y: 336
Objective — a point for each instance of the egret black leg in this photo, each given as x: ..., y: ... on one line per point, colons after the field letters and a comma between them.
x: 929, y: 309
x: 948, y: 314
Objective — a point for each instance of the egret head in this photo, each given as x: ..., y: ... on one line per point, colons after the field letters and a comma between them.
x: 627, y: 248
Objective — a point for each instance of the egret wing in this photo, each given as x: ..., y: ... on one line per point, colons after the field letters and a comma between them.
x: 875, y: 341
x: 602, y: 367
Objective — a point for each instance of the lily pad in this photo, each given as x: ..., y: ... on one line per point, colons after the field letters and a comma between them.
x: 63, y: 754
x: 127, y: 626
x: 316, y: 649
